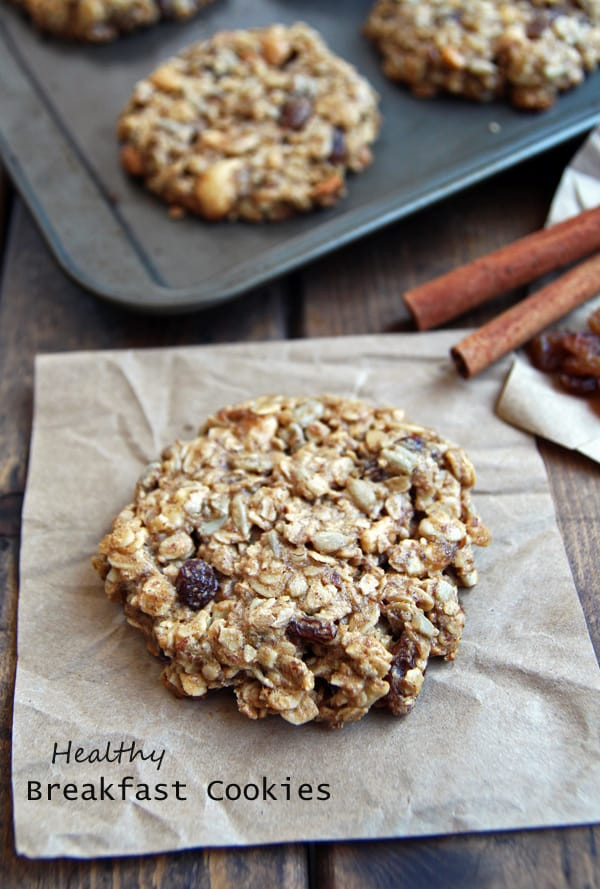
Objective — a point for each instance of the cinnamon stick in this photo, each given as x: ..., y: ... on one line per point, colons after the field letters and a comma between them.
x: 527, y: 318
x: 511, y: 266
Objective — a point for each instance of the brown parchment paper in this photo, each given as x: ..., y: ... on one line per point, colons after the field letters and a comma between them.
x: 505, y: 737
x: 533, y: 400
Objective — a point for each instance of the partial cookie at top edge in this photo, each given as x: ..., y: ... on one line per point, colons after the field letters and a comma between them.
x: 100, y: 21
x: 526, y: 52
x: 254, y: 125
x: 305, y: 551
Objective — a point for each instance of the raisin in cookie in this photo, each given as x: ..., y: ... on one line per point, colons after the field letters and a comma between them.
x: 305, y: 551
x: 99, y: 21
x: 525, y: 50
x: 253, y: 125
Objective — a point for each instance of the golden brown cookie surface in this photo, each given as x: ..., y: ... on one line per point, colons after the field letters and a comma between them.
x: 99, y: 21
x: 525, y: 50
x: 306, y: 551
x: 255, y: 125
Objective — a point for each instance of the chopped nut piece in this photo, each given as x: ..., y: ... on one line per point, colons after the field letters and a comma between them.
x: 216, y: 188
x: 329, y: 541
x: 276, y: 46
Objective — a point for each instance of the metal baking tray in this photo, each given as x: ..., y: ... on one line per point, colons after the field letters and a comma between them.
x: 58, y: 107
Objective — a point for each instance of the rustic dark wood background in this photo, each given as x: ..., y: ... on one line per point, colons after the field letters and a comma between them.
x: 356, y: 290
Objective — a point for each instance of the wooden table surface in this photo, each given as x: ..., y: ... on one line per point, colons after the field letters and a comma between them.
x: 356, y: 290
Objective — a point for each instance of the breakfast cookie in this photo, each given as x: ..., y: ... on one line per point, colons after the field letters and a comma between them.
x: 527, y: 51
x: 253, y: 125
x: 99, y: 21
x: 305, y: 551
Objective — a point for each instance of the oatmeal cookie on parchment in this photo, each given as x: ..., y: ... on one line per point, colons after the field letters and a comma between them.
x: 99, y: 21
x: 527, y: 51
x: 255, y: 125
x: 305, y: 551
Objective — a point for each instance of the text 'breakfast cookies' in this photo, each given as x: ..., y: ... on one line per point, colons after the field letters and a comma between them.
x: 256, y: 125
x: 305, y: 551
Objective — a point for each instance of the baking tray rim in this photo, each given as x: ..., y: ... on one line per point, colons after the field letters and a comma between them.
x: 167, y: 299
x: 329, y: 236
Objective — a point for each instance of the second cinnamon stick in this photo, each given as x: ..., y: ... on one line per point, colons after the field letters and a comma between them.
x: 511, y: 266
x: 524, y: 320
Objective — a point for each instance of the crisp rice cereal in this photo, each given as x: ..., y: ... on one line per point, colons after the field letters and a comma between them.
x: 99, y: 21
x: 254, y: 125
x: 525, y: 50
x: 305, y: 551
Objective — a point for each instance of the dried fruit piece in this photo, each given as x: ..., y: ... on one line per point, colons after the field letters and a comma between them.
x: 584, y: 354
x: 546, y: 352
x: 312, y: 629
x: 296, y: 112
x: 576, y: 356
x: 338, y: 147
x: 196, y: 583
x: 579, y: 385
x: 405, y: 659
x: 537, y: 25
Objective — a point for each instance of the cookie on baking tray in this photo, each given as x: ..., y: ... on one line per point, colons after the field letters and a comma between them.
x: 99, y: 21
x: 305, y: 551
x: 256, y: 125
x: 525, y: 50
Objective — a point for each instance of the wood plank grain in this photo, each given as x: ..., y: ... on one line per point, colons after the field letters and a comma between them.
x: 254, y: 870
x: 552, y: 859
x: 575, y: 485
x: 41, y: 310
x: 358, y: 290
